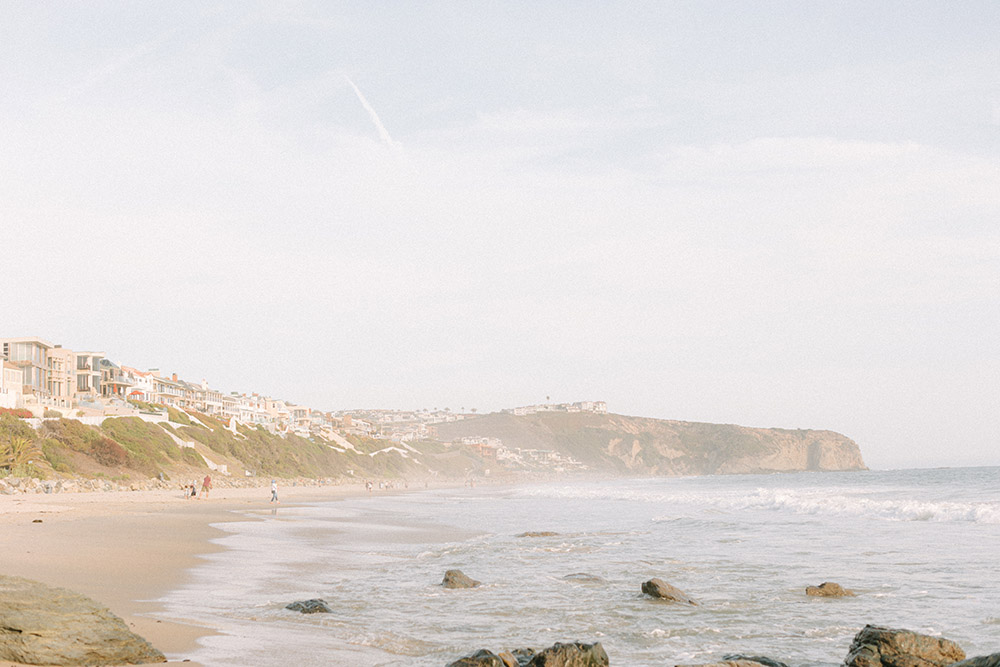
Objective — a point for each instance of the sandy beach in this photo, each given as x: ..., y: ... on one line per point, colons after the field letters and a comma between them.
x: 126, y: 549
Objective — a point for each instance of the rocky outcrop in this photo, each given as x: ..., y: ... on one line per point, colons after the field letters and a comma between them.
x: 481, y: 658
x: 992, y: 660
x: 458, y: 579
x: 538, y: 533
x: 737, y: 660
x: 575, y: 654
x: 42, y: 625
x: 660, y: 589
x: 875, y: 646
x: 313, y: 606
x: 754, y: 660
x: 829, y: 589
x: 637, y: 445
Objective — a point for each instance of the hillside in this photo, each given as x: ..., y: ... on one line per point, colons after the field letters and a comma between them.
x: 636, y: 445
x: 127, y: 449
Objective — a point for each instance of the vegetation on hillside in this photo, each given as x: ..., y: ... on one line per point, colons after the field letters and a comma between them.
x: 131, y: 448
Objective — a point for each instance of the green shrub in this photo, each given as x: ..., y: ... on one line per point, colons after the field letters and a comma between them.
x: 109, y: 453
x: 51, y: 414
x: 72, y: 434
x: 178, y: 416
x: 191, y: 457
x: 55, y: 453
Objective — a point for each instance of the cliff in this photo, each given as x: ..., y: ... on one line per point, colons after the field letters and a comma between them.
x: 637, y: 445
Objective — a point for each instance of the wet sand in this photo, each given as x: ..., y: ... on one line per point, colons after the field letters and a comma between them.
x: 127, y: 549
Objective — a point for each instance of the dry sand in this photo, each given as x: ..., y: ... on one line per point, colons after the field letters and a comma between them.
x: 126, y: 549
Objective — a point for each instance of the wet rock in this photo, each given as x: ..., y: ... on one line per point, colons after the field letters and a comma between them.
x: 457, y: 579
x: 42, y: 625
x: 658, y: 588
x: 884, y: 647
x: 481, y: 658
x: 829, y: 589
x: 510, y: 659
x: 576, y: 654
x: 313, y: 606
x: 539, y: 533
x: 980, y: 661
x: 753, y: 660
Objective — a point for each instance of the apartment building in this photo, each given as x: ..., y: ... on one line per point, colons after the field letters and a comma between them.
x: 60, y: 380
x: 87, y: 370
x: 31, y: 355
x: 114, y: 381
x: 11, y: 385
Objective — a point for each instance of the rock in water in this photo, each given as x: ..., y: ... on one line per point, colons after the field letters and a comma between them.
x: 481, y: 658
x: 828, y: 589
x: 457, y: 579
x: 658, y: 588
x: 539, y: 533
x: 883, y: 647
x: 992, y: 660
x: 313, y: 606
x: 571, y: 655
x: 758, y: 659
x: 42, y: 625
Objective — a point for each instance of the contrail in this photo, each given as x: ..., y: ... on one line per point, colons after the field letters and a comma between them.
x: 382, y: 132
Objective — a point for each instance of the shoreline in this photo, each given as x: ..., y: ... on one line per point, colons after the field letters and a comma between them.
x: 128, y: 549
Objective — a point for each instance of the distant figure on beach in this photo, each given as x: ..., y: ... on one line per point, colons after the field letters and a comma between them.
x: 206, y: 485
x: 194, y: 491
x: 274, y: 491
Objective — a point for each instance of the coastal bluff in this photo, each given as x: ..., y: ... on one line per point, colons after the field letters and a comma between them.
x: 640, y: 445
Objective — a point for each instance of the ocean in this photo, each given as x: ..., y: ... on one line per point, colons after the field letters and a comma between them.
x: 920, y: 548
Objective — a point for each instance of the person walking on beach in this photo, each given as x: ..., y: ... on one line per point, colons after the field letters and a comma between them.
x: 206, y: 485
x: 274, y: 491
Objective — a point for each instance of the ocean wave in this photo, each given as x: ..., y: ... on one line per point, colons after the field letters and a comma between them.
x: 871, y: 503
x: 902, y: 509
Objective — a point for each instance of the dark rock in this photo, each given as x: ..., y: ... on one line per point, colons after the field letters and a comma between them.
x: 481, y: 658
x: 42, y: 625
x: 538, y: 533
x: 457, y: 579
x: 521, y: 656
x: 576, y: 654
x: 758, y: 659
x: 36, y: 521
x: 883, y: 647
x: 658, y: 588
x: 992, y: 660
x: 727, y: 662
x: 828, y: 589
x: 313, y: 606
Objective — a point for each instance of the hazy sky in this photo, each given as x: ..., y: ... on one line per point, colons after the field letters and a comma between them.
x: 768, y: 213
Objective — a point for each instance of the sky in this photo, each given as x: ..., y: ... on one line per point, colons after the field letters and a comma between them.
x: 776, y: 214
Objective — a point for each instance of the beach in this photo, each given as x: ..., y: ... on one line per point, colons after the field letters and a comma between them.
x: 208, y: 580
x: 126, y: 549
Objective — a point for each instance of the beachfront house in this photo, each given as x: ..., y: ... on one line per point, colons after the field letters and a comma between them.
x: 114, y: 382
x: 60, y: 380
x: 166, y: 391
x: 87, y: 372
x: 31, y: 355
x: 11, y: 385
